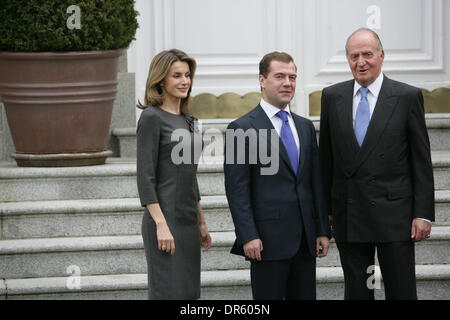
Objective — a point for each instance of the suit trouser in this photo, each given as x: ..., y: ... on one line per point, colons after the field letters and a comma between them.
x: 292, y: 279
x: 397, y: 264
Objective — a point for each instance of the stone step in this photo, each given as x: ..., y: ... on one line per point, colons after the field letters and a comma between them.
x: 442, y: 207
x: 441, y: 169
x: 438, y: 130
x: 102, y: 217
x: 433, y: 283
x: 52, y: 257
x: 70, y: 218
x: 93, y: 217
x: 117, y: 179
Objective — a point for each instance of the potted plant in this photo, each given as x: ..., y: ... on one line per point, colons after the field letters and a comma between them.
x: 58, y: 76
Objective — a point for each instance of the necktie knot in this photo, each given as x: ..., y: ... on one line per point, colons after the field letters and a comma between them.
x: 363, y: 91
x: 282, y: 115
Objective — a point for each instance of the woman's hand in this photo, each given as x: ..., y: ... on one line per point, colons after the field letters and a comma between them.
x: 205, y: 238
x: 163, y: 235
x: 165, y: 239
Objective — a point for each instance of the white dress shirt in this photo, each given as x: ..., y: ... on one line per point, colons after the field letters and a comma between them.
x: 271, y: 112
x: 372, y: 95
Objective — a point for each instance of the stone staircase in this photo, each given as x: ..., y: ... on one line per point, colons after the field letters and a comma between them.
x: 74, y: 233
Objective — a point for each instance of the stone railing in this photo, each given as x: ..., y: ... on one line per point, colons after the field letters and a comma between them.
x: 436, y: 101
x: 231, y: 105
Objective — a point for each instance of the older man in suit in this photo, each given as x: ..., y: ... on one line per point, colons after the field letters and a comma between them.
x: 280, y: 217
x: 378, y: 175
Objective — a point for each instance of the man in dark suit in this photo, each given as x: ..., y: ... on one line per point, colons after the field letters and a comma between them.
x: 377, y: 169
x: 280, y: 217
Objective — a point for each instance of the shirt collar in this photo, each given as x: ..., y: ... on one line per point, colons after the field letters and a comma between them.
x: 271, y: 110
x: 374, y: 87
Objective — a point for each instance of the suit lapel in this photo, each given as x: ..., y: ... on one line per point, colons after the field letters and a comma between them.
x: 344, y: 110
x: 303, y: 141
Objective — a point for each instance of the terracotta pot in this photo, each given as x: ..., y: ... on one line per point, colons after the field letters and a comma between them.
x: 59, y: 105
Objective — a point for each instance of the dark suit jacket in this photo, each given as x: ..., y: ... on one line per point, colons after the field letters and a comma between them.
x: 375, y: 191
x: 274, y: 207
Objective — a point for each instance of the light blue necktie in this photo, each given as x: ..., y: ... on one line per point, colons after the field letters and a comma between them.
x: 288, y: 139
x: 362, y: 116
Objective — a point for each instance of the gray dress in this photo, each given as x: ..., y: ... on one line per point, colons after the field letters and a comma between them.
x: 162, y: 179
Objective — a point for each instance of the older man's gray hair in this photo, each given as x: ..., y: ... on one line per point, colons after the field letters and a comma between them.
x: 373, y: 33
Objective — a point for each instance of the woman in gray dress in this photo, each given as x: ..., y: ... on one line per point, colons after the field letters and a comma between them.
x: 173, y: 226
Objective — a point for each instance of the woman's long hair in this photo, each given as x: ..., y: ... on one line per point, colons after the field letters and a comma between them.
x: 159, y: 68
